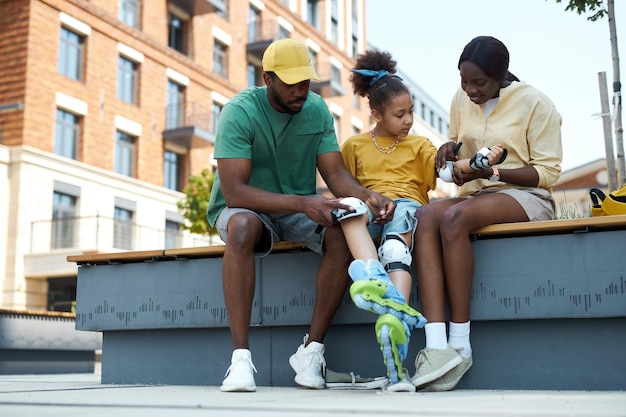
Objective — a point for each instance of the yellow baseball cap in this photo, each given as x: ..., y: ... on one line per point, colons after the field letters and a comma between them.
x: 289, y: 59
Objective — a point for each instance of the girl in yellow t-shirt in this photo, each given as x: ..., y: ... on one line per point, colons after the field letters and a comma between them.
x: 399, y: 165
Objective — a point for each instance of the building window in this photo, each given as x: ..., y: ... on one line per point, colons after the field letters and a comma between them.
x: 176, y: 37
x: 124, y: 154
x: 335, y: 75
x: 356, y: 101
x: 334, y: 22
x: 123, y: 229
x: 71, y: 54
x: 172, y: 234
x: 62, y: 294
x: 313, y: 14
x: 355, y: 28
x: 63, y: 220
x: 175, y: 105
x: 127, y: 80
x: 216, y: 110
x: 254, y: 25
x: 172, y: 170
x: 220, y: 59
x: 67, y: 132
x: 129, y: 12
x: 253, y: 74
x: 313, y: 55
x: 283, y: 32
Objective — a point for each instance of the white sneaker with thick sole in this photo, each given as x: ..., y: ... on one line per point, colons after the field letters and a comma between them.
x: 309, y: 364
x: 239, y: 376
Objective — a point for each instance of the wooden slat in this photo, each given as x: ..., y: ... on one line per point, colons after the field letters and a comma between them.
x: 218, y: 250
x: 553, y: 226
x: 513, y: 229
x: 114, y: 257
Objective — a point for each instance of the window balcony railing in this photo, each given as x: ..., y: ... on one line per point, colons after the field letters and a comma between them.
x: 184, y: 121
x: 200, y: 7
x: 261, y: 33
x: 104, y: 234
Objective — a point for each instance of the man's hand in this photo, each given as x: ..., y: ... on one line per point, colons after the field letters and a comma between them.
x: 319, y: 209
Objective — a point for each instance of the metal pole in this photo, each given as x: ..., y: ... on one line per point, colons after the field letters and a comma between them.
x: 617, y: 97
x: 608, y: 134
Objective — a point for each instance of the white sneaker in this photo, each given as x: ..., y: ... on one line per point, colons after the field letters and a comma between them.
x: 309, y: 365
x: 239, y: 376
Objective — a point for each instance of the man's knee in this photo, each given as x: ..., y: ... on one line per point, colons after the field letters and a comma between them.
x: 244, y: 229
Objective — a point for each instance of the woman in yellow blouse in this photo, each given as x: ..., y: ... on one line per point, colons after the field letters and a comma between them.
x: 492, y: 106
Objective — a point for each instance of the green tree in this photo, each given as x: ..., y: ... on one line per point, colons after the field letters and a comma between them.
x: 598, y: 11
x: 193, y: 207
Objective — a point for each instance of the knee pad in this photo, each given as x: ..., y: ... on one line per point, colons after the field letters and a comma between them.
x: 341, y: 214
x: 394, y: 255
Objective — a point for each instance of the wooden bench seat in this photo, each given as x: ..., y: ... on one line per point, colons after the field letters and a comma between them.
x: 496, y: 230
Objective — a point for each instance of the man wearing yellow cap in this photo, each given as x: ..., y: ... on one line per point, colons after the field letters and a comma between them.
x: 269, y: 143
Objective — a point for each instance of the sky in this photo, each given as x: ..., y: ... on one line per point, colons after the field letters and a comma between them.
x: 559, y: 52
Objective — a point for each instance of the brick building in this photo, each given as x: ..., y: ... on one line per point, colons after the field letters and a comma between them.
x: 108, y: 106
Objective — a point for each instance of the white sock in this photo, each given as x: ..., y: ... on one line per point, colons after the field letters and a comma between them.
x: 460, y: 338
x: 436, y: 335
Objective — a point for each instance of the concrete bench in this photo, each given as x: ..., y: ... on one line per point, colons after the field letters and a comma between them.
x: 45, y: 342
x: 548, y: 311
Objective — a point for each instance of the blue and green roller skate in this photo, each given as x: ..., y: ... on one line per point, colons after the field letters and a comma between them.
x: 373, y: 291
x: 393, y: 336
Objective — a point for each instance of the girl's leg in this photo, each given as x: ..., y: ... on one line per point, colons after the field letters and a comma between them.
x: 400, y: 278
x: 358, y: 238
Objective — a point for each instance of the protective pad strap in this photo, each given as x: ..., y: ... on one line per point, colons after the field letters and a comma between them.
x: 395, y: 259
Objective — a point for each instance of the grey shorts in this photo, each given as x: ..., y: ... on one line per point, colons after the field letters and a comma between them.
x: 536, y: 202
x: 295, y: 227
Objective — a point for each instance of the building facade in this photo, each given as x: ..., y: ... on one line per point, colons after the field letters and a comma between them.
x: 108, y: 106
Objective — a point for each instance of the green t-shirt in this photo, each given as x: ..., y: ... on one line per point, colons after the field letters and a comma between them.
x: 283, y: 147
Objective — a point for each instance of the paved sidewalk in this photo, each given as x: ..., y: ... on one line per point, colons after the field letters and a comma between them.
x: 83, y: 395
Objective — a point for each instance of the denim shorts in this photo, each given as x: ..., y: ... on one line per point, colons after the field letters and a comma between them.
x: 296, y: 227
x: 403, y: 221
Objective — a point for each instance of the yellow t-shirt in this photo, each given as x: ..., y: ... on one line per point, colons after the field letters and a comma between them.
x: 407, y: 172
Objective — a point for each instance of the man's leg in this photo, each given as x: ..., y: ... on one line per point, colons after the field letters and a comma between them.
x: 244, y: 231
x: 332, y: 281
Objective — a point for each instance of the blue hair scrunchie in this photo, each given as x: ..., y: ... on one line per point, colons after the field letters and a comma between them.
x: 377, y: 75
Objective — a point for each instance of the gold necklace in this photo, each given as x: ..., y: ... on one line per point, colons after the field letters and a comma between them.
x: 387, y: 149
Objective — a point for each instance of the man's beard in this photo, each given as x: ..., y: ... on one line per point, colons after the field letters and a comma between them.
x: 284, y: 105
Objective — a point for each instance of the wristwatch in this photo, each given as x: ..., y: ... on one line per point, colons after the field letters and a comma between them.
x: 495, y: 176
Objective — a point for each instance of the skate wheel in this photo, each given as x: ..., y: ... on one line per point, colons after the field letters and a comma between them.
x: 378, y: 309
x: 361, y: 302
x: 398, y: 314
x: 410, y: 320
